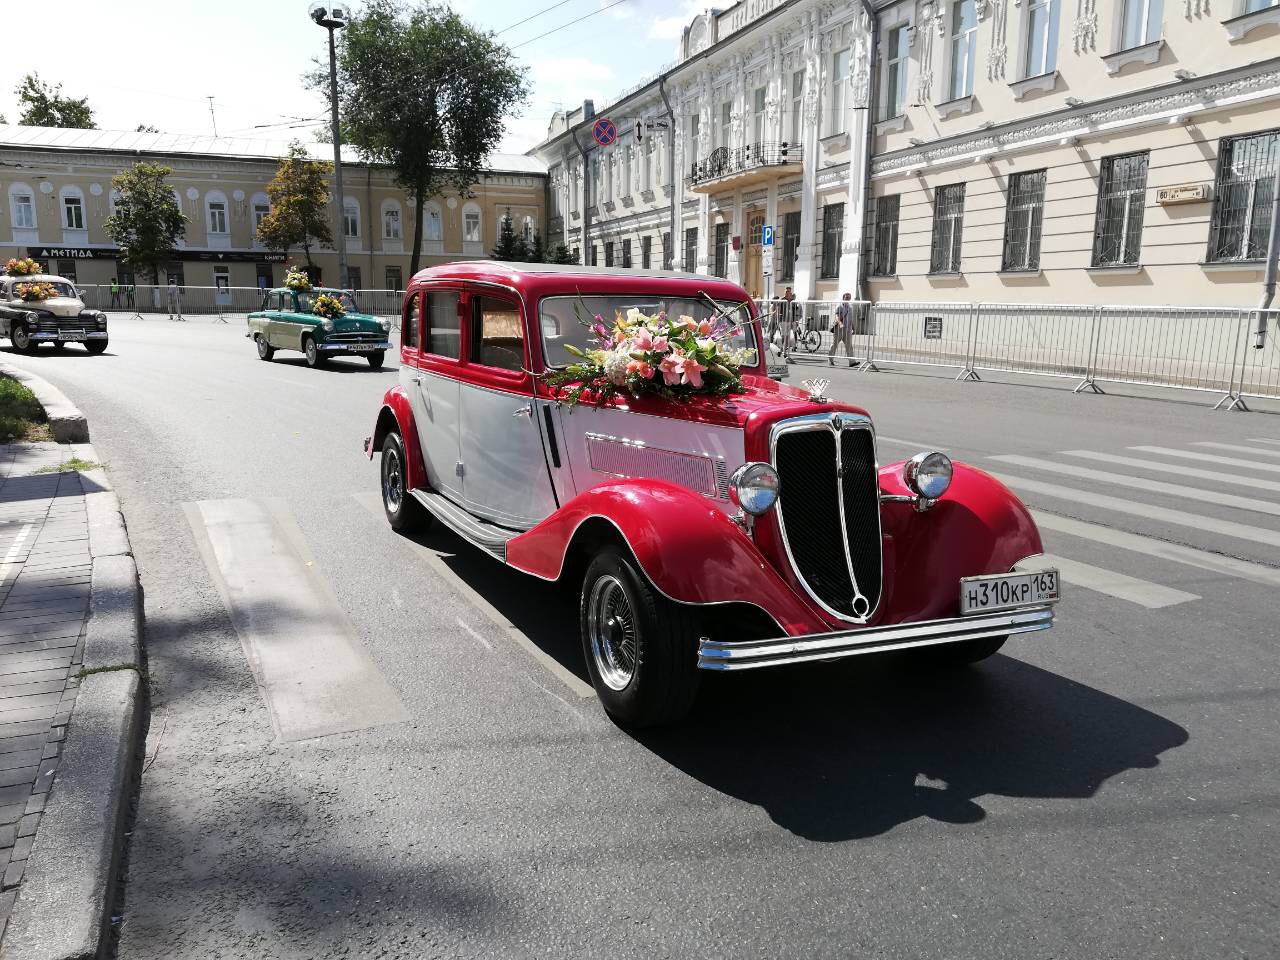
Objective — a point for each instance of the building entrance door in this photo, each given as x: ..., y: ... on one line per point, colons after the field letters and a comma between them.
x: 753, y: 270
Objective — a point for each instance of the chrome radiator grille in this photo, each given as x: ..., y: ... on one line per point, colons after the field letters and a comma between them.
x: 829, y: 510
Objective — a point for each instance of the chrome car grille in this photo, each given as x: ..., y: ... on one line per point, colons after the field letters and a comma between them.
x: 355, y: 336
x: 829, y: 510
x: 48, y: 324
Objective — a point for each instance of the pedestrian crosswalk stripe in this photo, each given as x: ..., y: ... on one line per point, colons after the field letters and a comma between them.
x: 1237, y: 448
x: 1161, y: 549
x: 1217, y: 476
x: 1210, y: 458
x: 1150, y: 511
x: 1142, y: 592
x: 1146, y: 483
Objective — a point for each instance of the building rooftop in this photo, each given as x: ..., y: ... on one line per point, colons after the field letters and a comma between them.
x: 185, y: 144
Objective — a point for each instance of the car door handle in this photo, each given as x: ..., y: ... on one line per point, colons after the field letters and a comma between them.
x: 525, y: 411
x: 415, y: 379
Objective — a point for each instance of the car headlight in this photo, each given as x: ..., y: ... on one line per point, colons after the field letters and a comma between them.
x: 327, y: 324
x: 386, y: 326
x: 927, y: 475
x: 754, y: 487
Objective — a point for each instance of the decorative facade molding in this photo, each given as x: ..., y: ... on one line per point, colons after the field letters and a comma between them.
x: 1240, y: 27
x: 998, y: 55
x: 1148, y: 53
x: 1084, y: 33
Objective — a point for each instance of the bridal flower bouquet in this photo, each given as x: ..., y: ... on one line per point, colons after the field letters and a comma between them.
x: 674, y: 357
x: 21, y: 267
x: 328, y: 307
x: 36, y: 291
x: 296, y: 279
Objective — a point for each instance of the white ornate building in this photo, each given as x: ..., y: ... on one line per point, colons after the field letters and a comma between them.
x: 1022, y: 150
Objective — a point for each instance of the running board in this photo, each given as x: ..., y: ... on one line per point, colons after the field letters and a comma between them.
x: 487, y: 536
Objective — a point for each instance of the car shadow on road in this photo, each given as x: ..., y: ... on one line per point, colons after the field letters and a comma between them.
x: 849, y: 751
x: 337, y: 365
x: 73, y: 353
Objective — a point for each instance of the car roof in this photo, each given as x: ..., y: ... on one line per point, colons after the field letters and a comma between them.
x: 42, y: 278
x: 542, y: 279
x: 478, y: 268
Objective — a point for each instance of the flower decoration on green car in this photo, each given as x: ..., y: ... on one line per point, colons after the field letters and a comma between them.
x: 21, y: 267
x: 677, y: 358
x: 296, y: 279
x: 328, y: 307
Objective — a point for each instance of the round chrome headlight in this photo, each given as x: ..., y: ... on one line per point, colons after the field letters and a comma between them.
x: 754, y: 487
x: 927, y: 475
x: 386, y: 326
x: 327, y: 324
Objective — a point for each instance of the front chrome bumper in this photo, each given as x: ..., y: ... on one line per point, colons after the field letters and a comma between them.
x: 347, y: 347
x: 88, y: 335
x: 749, y: 654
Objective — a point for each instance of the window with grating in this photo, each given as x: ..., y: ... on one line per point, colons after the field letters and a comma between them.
x: 948, y: 227
x: 1241, y: 217
x: 832, y: 238
x: 885, y: 236
x: 722, y: 250
x: 608, y: 254
x: 1023, y: 221
x: 646, y: 250
x: 691, y: 249
x: 626, y: 254
x: 1122, y: 196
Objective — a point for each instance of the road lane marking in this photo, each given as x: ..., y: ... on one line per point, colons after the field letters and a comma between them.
x: 1153, y: 596
x: 1210, y: 458
x: 314, y: 673
x: 1263, y: 440
x: 1236, y: 448
x: 1194, y: 520
x: 1145, y: 483
x: 15, y: 548
x: 1217, y: 476
x: 1161, y: 549
x: 475, y: 635
x: 372, y: 502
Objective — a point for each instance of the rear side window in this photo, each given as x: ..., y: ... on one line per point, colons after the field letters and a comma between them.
x: 409, y: 328
x: 497, y: 339
x: 444, y: 334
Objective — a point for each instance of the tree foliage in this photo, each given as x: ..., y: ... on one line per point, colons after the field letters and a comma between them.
x: 145, y: 128
x: 425, y: 93
x: 147, y: 222
x: 510, y: 245
x: 299, y: 194
x: 40, y: 105
x: 559, y: 253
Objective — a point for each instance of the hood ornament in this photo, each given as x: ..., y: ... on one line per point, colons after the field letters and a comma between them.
x: 817, y: 389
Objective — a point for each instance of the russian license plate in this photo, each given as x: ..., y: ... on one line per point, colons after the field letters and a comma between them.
x: 1007, y: 591
x: 363, y: 347
x: 70, y: 334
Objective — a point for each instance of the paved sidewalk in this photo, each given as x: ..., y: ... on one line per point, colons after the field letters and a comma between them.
x: 44, y: 605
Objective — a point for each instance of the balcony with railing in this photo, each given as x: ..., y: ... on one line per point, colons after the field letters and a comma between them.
x: 727, y: 167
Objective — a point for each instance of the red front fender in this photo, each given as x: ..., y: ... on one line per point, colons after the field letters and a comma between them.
x: 689, y: 549
x: 397, y: 415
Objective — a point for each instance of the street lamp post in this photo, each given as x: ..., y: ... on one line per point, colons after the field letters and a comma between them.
x: 335, y: 17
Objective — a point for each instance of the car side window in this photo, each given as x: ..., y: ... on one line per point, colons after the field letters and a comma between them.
x: 409, y: 328
x: 497, y: 339
x: 266, y: 301
x: 444, y: 333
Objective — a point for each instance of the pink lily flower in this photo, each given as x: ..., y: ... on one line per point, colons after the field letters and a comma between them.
x: 691, y: 371
x: 643, y: 339
x: 704, y: 327
x: 671, y: 367
x: 660, y: 345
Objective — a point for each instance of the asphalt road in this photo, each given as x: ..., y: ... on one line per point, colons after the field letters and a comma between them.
x: 1108, y: 789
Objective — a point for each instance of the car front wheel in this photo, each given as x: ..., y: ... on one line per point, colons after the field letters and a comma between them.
x: 95, y: 346
x: 377, y: 359
x: 640, y: 647
x: 314, y: 357
x: 21, y: 338
x: 265, y: 350
x: 404, y: 513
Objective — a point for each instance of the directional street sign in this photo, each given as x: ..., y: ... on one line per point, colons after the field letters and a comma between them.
x: 766, y: 236
x: 604, y: 132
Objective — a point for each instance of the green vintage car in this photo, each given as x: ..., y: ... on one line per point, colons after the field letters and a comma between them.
x: 286, y: 322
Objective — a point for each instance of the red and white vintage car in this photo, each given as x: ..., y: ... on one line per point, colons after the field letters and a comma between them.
x: 725, y: 532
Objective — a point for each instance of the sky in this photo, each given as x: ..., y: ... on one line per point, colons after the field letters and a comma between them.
x: 158, y: 64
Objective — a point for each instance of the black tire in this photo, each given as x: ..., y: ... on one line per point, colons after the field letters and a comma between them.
x: 314, y: 357
x: 21, y: 338
x: 660, y: 682
x: 265, y: 350
x: 59, y: 345
x: 96, y: 346
x: 951, y: 656
x: 403, y: 512
x: 376, y: 360
x: 812, y: 340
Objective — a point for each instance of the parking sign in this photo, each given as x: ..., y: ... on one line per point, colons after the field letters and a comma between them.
x: 766, y: 236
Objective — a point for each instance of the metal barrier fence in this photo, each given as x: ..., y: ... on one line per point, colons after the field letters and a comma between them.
x: 216, y: 301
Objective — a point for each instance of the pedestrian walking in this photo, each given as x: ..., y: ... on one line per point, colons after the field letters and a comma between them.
x: 115, y: 293
x: 175, y: 300
x: 842, y: 330
x: 788, y: 311
x: 130, y: 290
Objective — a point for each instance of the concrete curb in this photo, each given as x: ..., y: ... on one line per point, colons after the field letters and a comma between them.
x: 63, y: 911
x: 66, y: 422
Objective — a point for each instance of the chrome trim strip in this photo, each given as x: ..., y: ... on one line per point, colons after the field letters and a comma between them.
x: 828, y: 421
x: 489, y: 537
x: 751, y: 654
x: 346, y: 345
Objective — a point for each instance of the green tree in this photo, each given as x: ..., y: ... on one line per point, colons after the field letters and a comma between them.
x: 299, y: 194
x: 41, y: 105
x: 145, y: 128
x: 510, y: 245
x: 537, y: 251
x: 425, y: 93
x: 147, y: 222
x: 559, y: 253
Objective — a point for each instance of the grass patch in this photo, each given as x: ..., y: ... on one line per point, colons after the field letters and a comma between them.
x: 21, y: 416
x: 75, y: 463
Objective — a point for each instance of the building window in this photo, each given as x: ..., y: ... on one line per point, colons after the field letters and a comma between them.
x: 608, y: 253
x: 1122, y: 195
x: 895, y: 72
x: 1241, y: 218
x: 626, y: 254
x: 1042, y: 38
x: 73, y: 212
x: 395, y: 279
x: 726, y: 123
x: 594, y: 255
x: 471, y: 226
x: 885, y: 261
x: 646, y: 251
x: 839, y: 91
x: 261, y: 210
x: 1253, y: 6
x: 797, y: 107
x: 694, y: 125
x: 690, y: 249
x: 24, y: 210
x: 722, y: 250
x: 1140, y: 22
x: 174, y: 271
x: 217, y: 216
x: 757, y: 116
x: 832, y: 238
x: 948, y: 225
x: 350, y: 218
x: 667, y: 252
x: 964, y: 48
x: 391, y: 228
x: 67, y: 270
x: 1023, y: 221
x: 790, y: 244
x: 354, y: 280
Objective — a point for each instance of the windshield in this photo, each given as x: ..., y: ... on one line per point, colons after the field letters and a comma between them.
x: 62, y: 288
x: 307, y: 298
x: 562, y: 320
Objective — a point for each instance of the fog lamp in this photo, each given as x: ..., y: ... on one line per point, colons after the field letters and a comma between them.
x: 927, y: 475
x: 754, y: 487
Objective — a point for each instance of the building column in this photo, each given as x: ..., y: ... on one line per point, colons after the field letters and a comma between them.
x: 767, y: 253
x: 735, y: 270
x: 704, y: 234
x: 806, y: 269
x: 855, y: 213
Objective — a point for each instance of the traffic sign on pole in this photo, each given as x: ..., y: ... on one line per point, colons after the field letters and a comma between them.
x: 766, y: 235
x: 604, y: 132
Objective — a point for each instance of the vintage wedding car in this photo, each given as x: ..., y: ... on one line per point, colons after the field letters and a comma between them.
x: 724, y: 531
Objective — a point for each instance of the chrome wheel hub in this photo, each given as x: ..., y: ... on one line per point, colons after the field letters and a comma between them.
x: 612, y: 632
x: 392, y: 481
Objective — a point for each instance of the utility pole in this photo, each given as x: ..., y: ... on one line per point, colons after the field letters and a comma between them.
x: 212, y: 117
x: 335, y: 18
x: 1269, y: 277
